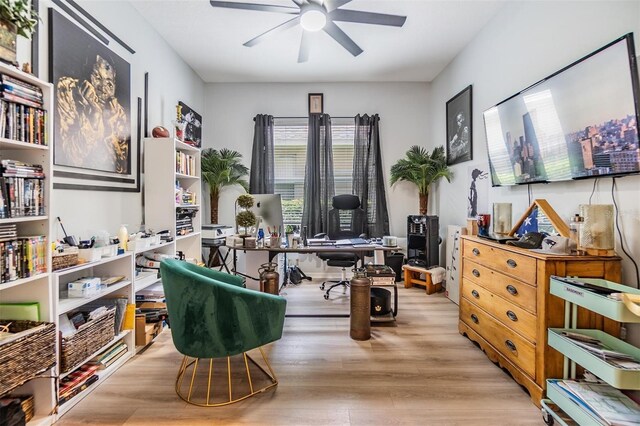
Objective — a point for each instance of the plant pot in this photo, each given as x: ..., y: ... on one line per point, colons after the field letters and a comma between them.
x: 8, y: 36
x: 424, y: 203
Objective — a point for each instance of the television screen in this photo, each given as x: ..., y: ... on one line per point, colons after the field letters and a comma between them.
x: 580, y: 122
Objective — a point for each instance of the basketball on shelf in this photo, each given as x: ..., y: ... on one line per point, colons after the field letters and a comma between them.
x: 160, y: 132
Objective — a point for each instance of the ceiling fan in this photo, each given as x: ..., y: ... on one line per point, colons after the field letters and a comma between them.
x: 316, y: 15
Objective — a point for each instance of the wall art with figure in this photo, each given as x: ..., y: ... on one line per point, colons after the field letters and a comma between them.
x: 459, y: 129
x: 92, y: 101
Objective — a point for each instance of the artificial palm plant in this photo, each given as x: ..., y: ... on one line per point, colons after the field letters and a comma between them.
x: 219, y: 169
x: 422, y: 168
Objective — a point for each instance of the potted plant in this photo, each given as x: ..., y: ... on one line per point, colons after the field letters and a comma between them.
x: 422, y: 168
x: 16, y: 17
x: 219, y: 169
x: 245, y: 218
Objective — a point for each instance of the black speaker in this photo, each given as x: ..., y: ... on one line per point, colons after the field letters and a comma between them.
x: 423, y: 240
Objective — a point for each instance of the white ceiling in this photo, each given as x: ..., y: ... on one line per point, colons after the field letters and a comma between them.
x: 210, y: 40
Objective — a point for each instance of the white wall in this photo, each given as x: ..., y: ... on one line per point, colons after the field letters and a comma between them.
x: 403, y: 110
x: 170, y: 80
x: 527, y: 41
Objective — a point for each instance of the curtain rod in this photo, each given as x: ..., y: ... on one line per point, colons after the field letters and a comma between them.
x: 289, y: 118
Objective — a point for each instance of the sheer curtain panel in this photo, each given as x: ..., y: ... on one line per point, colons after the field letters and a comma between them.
x: 368, y: 176
x: 261, y: 177
x: 319, y: 187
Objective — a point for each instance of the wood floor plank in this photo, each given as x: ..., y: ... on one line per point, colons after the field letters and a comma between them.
x: 416, y: 371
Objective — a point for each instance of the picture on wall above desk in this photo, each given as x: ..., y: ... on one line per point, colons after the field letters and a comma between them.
x: 92, y: 103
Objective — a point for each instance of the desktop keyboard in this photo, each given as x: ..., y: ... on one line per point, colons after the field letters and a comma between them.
x: 351, y: 242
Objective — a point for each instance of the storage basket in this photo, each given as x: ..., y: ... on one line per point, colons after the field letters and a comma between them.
x: 26, y: 403
x: 30, y: 352
x: 63, y: 260
x: 88, y: 339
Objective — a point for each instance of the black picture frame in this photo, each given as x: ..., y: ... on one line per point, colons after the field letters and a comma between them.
x: 459, y: 124
x: 75, y: 55
x: 193, y: 131
x: 316, y: 103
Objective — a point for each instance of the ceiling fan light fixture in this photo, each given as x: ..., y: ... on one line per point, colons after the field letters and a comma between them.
x: 313, y: 20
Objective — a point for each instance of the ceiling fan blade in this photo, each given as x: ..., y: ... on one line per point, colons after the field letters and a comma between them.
x: 298, y: 2
x: 331, y: 5
x: 303, y: 54
x: 275, y: 30
x: 338, y: 35
x: 359, y: 17
x: 257, y: 7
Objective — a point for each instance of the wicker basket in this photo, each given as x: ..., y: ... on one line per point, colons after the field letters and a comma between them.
x: 63, y: 260
x: 26, y: 402
x: 89, y: 338
x: 30, y: 352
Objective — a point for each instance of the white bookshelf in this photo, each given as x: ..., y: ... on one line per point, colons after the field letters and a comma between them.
x: 160, y: 192
x: 36, y: 288
x: 121, y: 265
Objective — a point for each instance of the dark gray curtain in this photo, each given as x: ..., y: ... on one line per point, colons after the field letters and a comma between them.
x: 368, y: 176
x: 319, y: 187
x: 261, y: 180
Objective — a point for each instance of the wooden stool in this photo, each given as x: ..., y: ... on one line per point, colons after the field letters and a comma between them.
x: 412, y: 276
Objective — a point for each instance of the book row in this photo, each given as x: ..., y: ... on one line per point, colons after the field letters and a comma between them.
x: 23, y: 257
x: 20, y: 197
x: 21, y: 91
x: 185, y: 164
x: 23, y: 123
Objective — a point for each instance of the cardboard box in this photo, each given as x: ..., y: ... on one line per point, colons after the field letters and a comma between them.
x: 84, y: 287
x: 145, y: 333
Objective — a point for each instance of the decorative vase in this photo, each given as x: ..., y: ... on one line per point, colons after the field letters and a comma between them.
x: 123, y: 237
x: 8, y: 36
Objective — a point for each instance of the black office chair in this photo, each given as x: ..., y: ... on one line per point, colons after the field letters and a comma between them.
x: 349, y: 206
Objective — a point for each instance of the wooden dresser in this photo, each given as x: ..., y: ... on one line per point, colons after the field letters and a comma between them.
x: 505, y: 306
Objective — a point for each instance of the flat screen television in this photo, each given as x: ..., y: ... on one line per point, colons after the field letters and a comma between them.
x: 580, y: 122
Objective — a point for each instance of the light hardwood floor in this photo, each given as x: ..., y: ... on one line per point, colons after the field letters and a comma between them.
x: 418, y: 371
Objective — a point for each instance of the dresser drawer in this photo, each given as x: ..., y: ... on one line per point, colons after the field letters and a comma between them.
x: 508, y: 343
x: 512, y: 316
x: 513, y: 290
x: 513, y: 264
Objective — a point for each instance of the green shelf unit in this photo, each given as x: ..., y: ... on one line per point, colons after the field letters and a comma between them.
x: 551, y: 409
x: 597, y: 303
x: 575, y: 410
x: 616, y: 377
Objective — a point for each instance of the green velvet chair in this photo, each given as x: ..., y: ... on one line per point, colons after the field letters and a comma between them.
x: 213, y: 316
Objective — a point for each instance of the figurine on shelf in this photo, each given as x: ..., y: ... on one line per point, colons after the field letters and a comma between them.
x: 179, y: 124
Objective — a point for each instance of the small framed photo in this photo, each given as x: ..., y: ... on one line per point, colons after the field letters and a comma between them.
x: 316, y: 103
x: 459, y: 134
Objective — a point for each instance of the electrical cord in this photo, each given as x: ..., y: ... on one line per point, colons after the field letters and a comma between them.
x: 595, y: 181
x: 529, y: 192
x: 617, y: 221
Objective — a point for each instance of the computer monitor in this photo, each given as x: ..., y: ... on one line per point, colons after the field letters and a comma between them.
x: 268, y: 210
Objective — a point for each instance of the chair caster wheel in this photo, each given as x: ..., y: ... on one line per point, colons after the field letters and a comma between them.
x: 322, y: 286
x: 326, y: 297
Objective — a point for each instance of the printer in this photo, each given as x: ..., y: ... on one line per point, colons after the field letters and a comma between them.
x: 217, y: 232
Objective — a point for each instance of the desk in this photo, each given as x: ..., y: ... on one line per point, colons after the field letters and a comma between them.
x: 274, y: 251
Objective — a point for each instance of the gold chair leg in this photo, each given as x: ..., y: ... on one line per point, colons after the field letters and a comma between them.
x: 194, y: 382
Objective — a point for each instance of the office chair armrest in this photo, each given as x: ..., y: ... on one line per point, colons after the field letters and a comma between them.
x: 320, y: 235
x: 363, y: 236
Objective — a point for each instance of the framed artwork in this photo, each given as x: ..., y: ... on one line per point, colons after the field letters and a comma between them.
x: 193, y: 131
x: 92, y: 140
x: 316, y: 103
x: 459, y: 130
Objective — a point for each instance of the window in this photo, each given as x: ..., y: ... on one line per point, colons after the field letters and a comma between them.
x: 290, y: 156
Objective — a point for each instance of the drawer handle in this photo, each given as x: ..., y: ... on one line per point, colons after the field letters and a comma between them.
x: 512, y: 290
x: 511, y: 345
x: 475, y: 273
x: 475, y: 294
x: 512, y: 263
x: 475, y: 252
x: 474, y: 318
x: 512, y: 316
